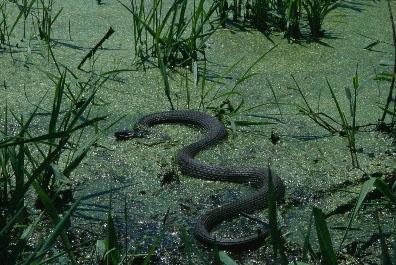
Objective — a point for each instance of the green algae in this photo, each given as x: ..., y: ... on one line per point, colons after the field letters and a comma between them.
x: 314, y: 164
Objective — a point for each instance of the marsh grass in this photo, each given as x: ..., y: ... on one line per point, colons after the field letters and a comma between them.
x: 46, y: 21
x: 293, y: 16
x: 37, y: 15
x: 282, y: 15
x: 227, y: 105
x: 259, y: 15
x: 316, y: 11
x: 341, y: 124
x: 43, y: 164
x: 391, y: 77
x: 176, y: 37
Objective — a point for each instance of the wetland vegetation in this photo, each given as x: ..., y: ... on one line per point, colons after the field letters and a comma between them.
x: 304, y: 86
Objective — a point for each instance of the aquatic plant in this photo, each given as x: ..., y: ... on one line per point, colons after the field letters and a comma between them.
x: 46, y: 21
x: 176, y: 38
x: 259, y: 14
x: 3, y: 24
x: 228, y: 104
x: 44, y: 163
x: 5, y: 31
x: 316, y: 12
x: 222, y: 11
x: 278, y: 13
x: 341, y: 125
x: 391, y: 77
x: 293, y: 16
x: 110, y: 251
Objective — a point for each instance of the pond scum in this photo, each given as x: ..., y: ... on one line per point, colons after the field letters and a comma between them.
x: 36, y: 194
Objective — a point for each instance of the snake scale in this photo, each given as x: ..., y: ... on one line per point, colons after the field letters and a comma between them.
x: 255, y: 177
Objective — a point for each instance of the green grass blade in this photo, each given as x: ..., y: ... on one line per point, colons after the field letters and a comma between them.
x: 225, y: 259
x: 240, y: 80
x: 246, y: 75
x: 366, y: 187
x: 307, y: 244
x: 11, y: 222
x: 340, y: 112
x: 221, y: 77
x: 25, y: 10
x: 57, y: 102
x: 153, y: 248
x: 24, y: 238
x: 82, y: 151
x: 385, y: 189
x: 112, y: 247
x: 325, y: 243
x: 59, y: 225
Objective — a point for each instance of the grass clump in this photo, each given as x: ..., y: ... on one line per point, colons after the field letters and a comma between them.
x: 41, y: 166
x: 283, y: 15
x: 341, y: 125
x: 175, y: 38
x: 316, y: 11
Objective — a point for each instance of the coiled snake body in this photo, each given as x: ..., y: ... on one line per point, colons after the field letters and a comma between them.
x: 253, y: 176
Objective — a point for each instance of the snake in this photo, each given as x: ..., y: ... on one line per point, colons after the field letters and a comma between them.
x: 256, y: 177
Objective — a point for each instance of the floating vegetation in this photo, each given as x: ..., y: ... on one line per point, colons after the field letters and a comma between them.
x: 45, y: 145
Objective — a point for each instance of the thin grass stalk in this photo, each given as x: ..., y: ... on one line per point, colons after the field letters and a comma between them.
x: 126, y: 228
x: 247, y: 73
x: 164, y: 74
x: 24, y: 11
x: 350, y: 132
x: 203, y: 85
x: 275, y: 97
x: 19, y: 171
x: 81, y: 152
x: 188, y: 94
x: 212, y: 87
x: 154, y: 247
x: 307, y: 110
x: 21, y: 241
x: 187, y: 245
x: 4, y: 160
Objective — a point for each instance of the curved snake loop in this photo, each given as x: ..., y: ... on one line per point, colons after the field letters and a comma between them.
x: 255, y: 177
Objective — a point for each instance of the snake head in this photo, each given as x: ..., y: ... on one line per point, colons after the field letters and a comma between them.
x: 128, y: 134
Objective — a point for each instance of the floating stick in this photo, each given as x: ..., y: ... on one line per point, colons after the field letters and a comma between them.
x: 93, y: 50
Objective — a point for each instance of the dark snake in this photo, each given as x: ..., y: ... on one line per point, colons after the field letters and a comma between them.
x: 255, y: 177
